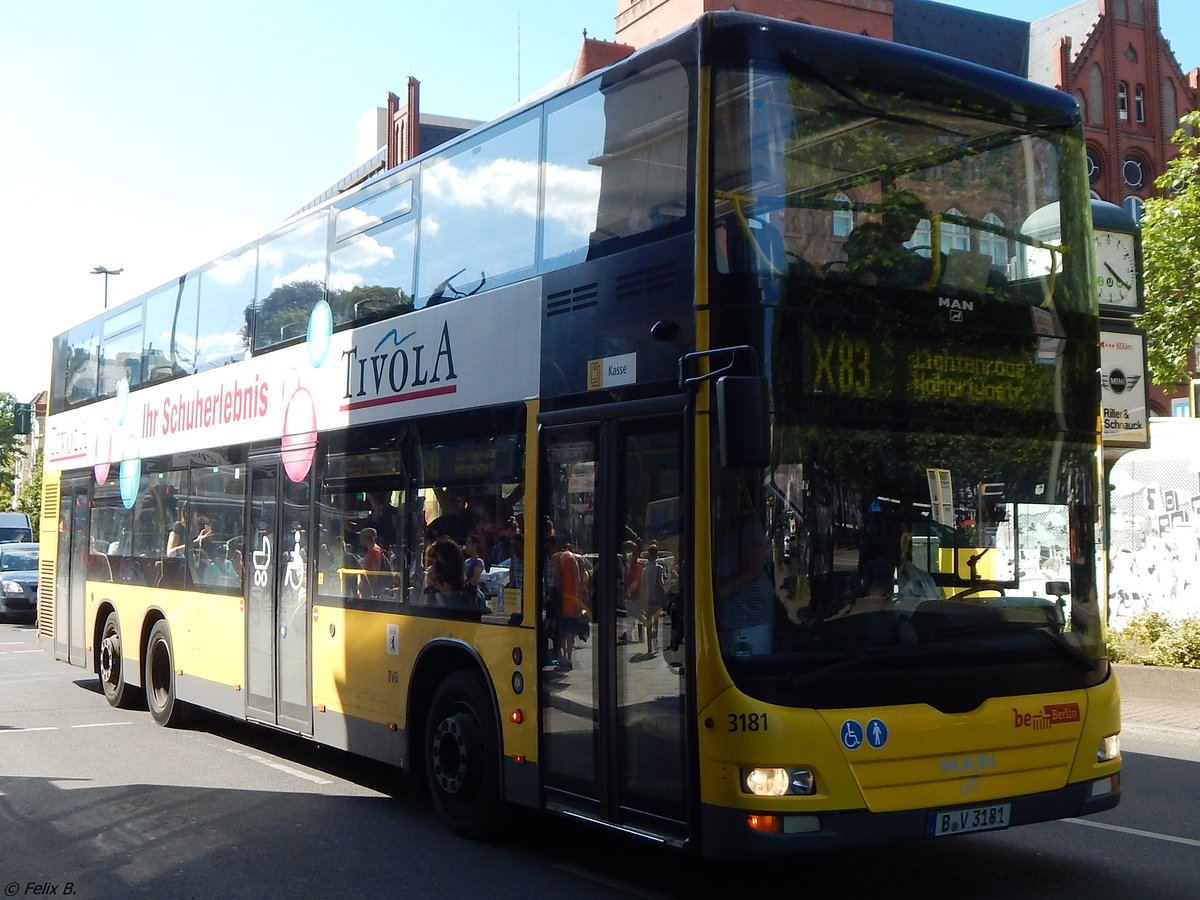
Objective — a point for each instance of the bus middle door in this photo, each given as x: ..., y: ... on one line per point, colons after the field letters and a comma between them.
x: 278, y: 598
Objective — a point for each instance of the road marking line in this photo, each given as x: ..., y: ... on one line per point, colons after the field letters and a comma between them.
x: 101, y: 724
x: 19, y: 730
x: 1137, y: 832
x: 254, y: 757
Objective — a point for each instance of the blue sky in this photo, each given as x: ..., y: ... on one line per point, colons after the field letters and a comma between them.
x: 155, y: 135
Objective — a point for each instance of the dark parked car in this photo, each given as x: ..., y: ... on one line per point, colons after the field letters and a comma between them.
x: 18, y: 582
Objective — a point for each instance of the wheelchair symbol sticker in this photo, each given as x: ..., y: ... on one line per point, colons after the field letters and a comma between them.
x: 852, y: 735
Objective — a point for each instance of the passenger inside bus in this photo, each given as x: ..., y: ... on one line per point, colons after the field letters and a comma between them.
x: 371, y: 562
x: 877, y: 251
x: 446, y: 577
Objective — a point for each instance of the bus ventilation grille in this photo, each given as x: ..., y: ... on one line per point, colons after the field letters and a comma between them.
x: 645, y: 281
x: 571, y: 300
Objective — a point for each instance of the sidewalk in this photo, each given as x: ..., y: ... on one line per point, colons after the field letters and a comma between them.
x: 1160, y: 700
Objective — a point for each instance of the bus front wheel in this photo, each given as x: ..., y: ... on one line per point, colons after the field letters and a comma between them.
x: 462, y: 756
x: 160, y: 677
x: 112, y: 672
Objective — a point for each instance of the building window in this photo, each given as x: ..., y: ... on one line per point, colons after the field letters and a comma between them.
x: 1170, y: 111
x: 1133, y: 172
x: 1096, y: 89
x: 1122, y: 102
x: 1134, y: 206
x: 1139, y: 104
x: 1081, y: 99
x: 1095, y: 168
x: 954, y: 235
x: 843, y: 216
x: 993, y: 244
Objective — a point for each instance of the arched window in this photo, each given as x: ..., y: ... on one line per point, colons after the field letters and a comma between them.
x: 843, y: 216
x: 1139, y: 104
x: 1122, y: 101
x: 922, y: 238
x: 994, y: 245
x: 1170, y: 111
x: 955, y: 236
x: 1096, y: 89
x: 1081, y: 99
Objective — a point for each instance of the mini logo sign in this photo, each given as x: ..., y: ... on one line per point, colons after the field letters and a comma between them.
x: 1050, y: 715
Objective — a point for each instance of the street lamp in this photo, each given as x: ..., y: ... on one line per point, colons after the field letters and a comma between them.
x: 101, y: 270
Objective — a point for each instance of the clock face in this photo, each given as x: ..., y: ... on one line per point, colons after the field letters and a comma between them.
x: 1116, y: 269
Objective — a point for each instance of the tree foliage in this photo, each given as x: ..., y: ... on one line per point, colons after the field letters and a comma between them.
x: 11, y: 447
x: 30, y: 500
x: 1171, y: 260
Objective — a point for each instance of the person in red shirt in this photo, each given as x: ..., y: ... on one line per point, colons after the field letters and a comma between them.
x: 371, y: 561
x: 571, y: 590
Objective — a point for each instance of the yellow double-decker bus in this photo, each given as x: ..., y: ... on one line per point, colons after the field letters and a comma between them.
x: 708, y: 450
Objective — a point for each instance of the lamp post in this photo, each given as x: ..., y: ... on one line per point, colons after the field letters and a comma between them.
x: 101, y: 270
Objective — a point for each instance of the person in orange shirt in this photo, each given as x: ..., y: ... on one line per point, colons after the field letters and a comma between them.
x: 571, y: 590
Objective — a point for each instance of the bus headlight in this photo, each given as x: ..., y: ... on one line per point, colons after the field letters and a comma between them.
x: 1109, y: 749
x: 777, y: 781
x: 11, y: 587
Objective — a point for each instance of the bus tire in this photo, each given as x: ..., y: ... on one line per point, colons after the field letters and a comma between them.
x: 117, y: 691
x: 159, y: 682
x: 462, y: 756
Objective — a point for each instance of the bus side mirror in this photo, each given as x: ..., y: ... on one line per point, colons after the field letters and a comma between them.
x: 742, y: 421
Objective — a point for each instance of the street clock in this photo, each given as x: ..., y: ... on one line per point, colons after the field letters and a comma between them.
x: 1116, y: 248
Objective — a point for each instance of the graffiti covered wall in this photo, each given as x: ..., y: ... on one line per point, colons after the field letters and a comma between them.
x: 1154, y: 525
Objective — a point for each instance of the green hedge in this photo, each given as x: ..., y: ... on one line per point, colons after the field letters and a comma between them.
x: 1151, y: 639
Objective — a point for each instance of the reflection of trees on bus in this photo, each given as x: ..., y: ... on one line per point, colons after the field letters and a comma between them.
x: 284, y: 312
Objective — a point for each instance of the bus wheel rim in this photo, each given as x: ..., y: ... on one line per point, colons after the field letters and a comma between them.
x: 110, y: 658
x: 451, y: 753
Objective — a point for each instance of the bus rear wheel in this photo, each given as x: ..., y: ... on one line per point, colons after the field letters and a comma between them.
x: 166, y: 708
x: 463, y: 756
x: 117, y: 691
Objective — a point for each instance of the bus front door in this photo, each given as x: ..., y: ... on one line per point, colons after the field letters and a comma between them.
x: 71, y: 570
x: 278, y: 601
x: 611, y: 538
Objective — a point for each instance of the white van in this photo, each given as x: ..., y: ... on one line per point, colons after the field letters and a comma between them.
x: 15, y: 526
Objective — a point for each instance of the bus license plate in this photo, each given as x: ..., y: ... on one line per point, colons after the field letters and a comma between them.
x: 961, y: 821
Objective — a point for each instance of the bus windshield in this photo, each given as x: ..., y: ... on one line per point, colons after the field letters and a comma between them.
x: 826, y: 177
x: 929, y: 337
